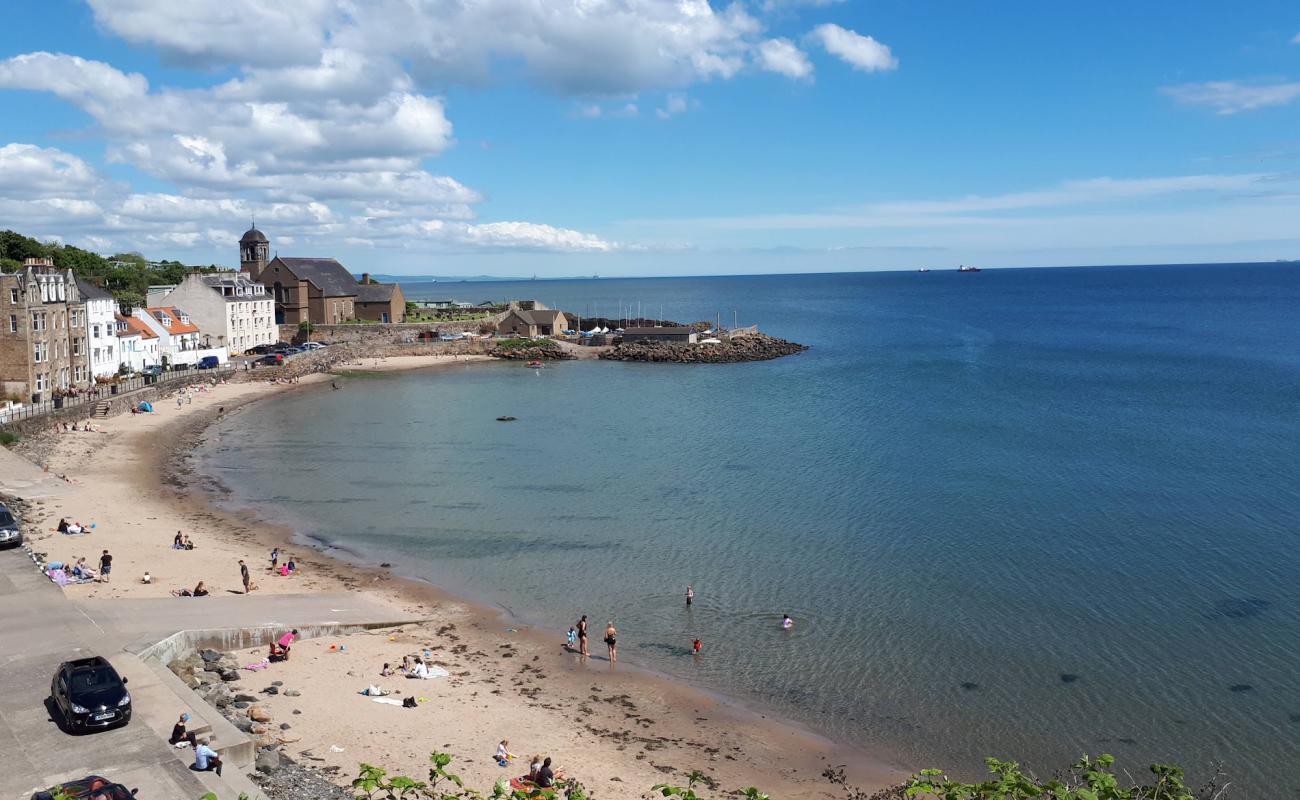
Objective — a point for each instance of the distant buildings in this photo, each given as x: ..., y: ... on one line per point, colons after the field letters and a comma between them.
x: 137, y: 345
x: 43, y: 337
x: 178, y: 336
x: 230, y: 309
x: 662, y: 334
x: 535, y: 321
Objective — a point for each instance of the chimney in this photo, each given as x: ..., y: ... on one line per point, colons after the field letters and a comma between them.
x: 365, y: 277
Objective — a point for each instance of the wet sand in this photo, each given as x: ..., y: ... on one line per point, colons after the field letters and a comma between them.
x: 618, y: 730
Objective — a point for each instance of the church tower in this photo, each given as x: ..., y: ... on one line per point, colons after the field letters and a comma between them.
x: 254, y: 252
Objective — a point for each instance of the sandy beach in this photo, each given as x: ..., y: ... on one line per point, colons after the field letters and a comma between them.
x: 618, y: 730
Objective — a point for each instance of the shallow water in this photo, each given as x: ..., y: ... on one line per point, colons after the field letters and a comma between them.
x: 1024, y: 513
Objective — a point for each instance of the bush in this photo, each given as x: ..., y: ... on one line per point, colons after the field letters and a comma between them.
x: 9, y: 437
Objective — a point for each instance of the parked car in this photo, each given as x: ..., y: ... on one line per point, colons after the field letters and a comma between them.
x: 209, y: 362
x: 270, y: 360
x: 91, y: 787
x: 10, y: 534
x: 290, y: 351
x: 152, y: 369
x: 311, y: 346
x: 90, y: 695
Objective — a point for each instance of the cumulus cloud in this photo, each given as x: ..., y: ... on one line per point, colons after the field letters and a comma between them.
x: 860, y: 52
x: 782, y: 56
x: 674, y: 104
x: 38, y: 172
x: 1232, y: 97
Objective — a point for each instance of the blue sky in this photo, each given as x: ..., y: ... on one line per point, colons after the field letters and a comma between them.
x: 643, y: 137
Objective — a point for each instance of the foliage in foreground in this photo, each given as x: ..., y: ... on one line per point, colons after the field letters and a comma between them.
x: 1088, y: 779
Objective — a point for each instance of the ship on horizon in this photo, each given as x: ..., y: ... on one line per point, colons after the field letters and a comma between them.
x: 964, y: 268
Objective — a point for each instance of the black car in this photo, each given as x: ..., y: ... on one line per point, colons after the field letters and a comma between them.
x: 259, y: 350
x: 91, y: 787
x: 10, y: 535
x: 89, y: 694
x: 271, y: 360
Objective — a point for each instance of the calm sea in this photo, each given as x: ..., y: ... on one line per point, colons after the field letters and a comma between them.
x: 1025, y: 513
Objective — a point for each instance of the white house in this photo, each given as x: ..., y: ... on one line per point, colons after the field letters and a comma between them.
x: 101, y: 323
x: 230, y: 310
x: 137, y: 345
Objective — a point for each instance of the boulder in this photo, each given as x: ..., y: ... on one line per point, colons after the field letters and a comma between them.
x: 229, y: 675
x: 268, y: 761
x: 292, y: 693
x: 208, y: 654
x: 271, y: 690
x: 266, y: 741
x: 259, y: 714
x: 257, y: 729
x: 245, y: 698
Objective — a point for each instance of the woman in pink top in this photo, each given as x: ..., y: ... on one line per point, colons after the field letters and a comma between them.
x: 286, y: 641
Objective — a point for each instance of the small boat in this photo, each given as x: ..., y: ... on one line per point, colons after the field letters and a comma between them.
x: 923, y: 269
x: 506, y: 419
x: 964, y: 268
x: 535, y: 364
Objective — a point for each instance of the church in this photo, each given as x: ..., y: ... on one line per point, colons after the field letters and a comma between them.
x: 316, y: 290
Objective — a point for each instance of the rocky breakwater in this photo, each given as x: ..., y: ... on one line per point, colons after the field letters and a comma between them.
x: 529, y: 350
x: 753, y: 347
x: 216, y: 677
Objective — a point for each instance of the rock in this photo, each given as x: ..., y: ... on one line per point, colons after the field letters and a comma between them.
x: 268, y: 761
x: 296, y: 711
x: 230, y: 675
x: 271, y: 690
x: 292, y: 693
x: 259, y: 714
x: 206, y: 678
x: 267, y: 740
x: 193, y: 682
x: 243, y: 723
x: 277, y: 683
x: 208, y: 654
x: 284, y: 726
x: 751, y: 347
x: 245, y: 698
x: 257, y: 729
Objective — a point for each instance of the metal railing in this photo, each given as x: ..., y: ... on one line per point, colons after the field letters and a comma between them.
x: 87, y: 398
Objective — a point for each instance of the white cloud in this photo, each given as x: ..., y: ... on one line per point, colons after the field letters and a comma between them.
x: 1232, y: 97
x: 30, y: 171
x: 1295, y: 39
x: 782, y: 56
x: 515, y: 235
x: 674, y: 104
x: 861, y: 52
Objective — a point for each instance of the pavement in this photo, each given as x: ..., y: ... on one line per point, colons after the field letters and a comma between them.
x: 25, y: 479
x: 41, y: 627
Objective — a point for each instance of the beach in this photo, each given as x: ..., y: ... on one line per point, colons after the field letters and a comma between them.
x: 618, y: 730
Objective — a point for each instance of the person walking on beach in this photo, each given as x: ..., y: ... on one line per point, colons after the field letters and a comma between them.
x: 611, y: 641
x: 243, y: 574
x: 105, y: 566
x: 275, y: 557
x: 582, y: 635
x: 690, y: 595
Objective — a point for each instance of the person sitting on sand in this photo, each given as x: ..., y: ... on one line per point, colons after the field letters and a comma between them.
x: 200, y: 590
x: 75, y: 528
x: 147, y: 577
x: 386, y: 671
x: 420, y: 671
x: 545, y: 775
x: 503, y: 754
x: 291, y: 566
x: 534, y: 766
x: 186, y: 544
x: 178, y: 542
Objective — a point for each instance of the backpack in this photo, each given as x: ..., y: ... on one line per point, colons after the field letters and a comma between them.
x: 408, y: 702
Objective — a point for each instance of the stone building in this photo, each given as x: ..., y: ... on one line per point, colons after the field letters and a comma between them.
x: 43, y: 342
x: 535, y: 322
x: 680, y: 335
x: 231, y: 310
x: 380, y: 302
x: 318, y: 290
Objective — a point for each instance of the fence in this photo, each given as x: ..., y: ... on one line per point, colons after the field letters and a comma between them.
x: 86, y: 400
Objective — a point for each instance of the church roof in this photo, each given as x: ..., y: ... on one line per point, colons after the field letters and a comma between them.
x: 253, y: 235
x: 374, y: 293
x: 327, y: 274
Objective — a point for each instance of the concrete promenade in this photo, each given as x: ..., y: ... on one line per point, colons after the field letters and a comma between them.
x: 42, y: 627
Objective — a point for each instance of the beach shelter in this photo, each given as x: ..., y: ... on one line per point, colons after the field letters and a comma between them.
x: 146, y: 405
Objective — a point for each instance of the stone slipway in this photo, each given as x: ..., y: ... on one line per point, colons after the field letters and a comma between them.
x: 40, y: 627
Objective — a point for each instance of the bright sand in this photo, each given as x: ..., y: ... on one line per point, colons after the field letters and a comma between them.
x: 619, y: 731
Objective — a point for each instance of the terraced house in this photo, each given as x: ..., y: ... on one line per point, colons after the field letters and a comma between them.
x: 44, y: 347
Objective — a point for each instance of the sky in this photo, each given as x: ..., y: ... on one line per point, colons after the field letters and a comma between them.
x: 655, y: 137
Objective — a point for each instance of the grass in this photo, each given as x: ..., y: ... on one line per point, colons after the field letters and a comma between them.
x: 9, y: 437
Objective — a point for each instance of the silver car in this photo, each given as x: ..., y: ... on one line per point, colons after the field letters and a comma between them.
x: 10, y: 535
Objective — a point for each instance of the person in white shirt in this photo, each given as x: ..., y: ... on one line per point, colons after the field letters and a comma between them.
x: 206, y: 759
x: 420, y: 670
x: 503, y: 755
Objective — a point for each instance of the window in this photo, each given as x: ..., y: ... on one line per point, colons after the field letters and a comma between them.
x: 95, y: 331
x: 76, y: 346
x: 13, y: 323
x: 40, y: 352
x: 13, y: 296
x: 79, y: 374
x: 40, y: 382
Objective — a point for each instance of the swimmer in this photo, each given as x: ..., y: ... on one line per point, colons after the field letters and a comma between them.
x: 696, y: 647
x: 786, y: 622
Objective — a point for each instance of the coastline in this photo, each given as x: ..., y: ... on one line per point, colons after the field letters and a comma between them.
x: 646, y: 729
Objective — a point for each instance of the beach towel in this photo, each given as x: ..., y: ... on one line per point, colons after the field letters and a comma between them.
x: 388, y: 701
x: 257, y: 666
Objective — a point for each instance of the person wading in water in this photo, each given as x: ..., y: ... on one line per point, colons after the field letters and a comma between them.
x: 611, y: 639
x: 582, y: 635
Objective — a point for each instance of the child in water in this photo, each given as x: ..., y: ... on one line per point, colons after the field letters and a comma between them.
x: 696, y: 647
x: 786, y: 622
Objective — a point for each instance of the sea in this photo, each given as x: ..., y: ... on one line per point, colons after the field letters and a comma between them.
x: 1023, y: 513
